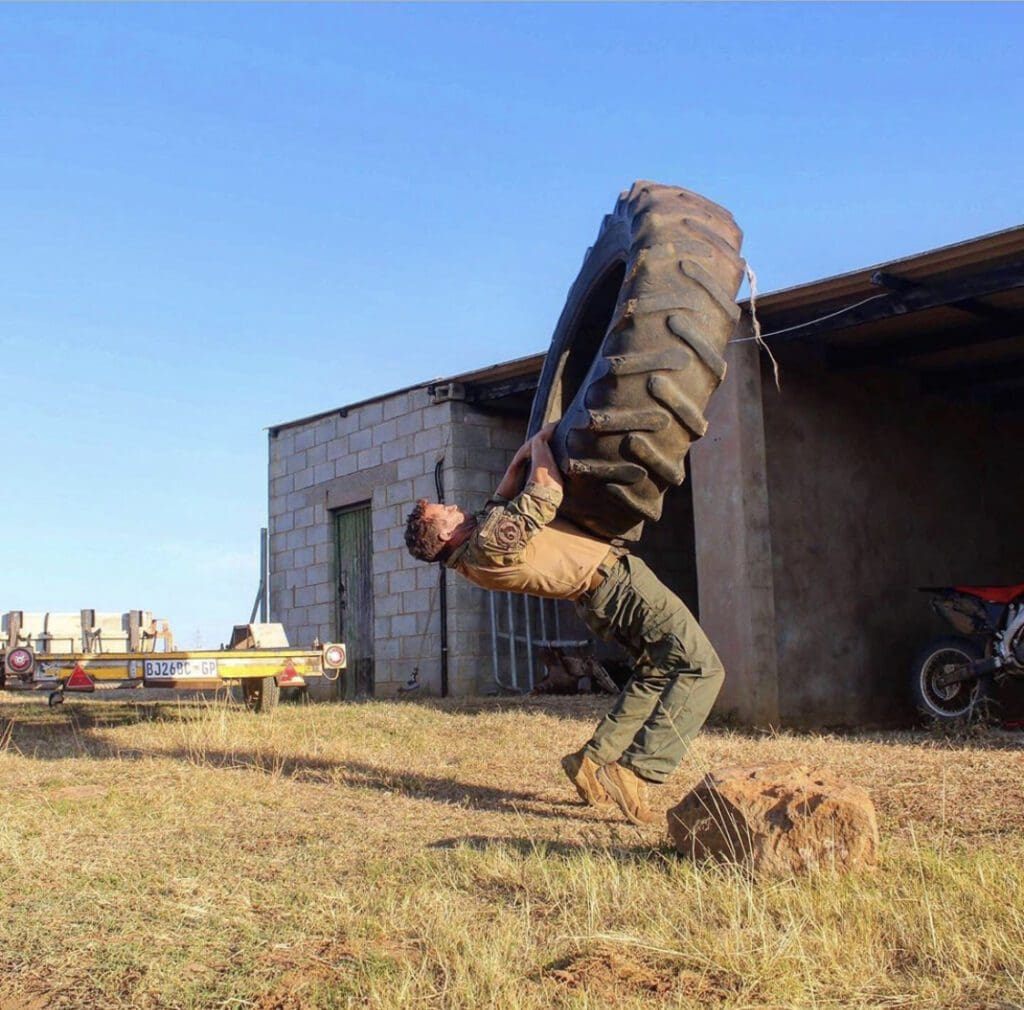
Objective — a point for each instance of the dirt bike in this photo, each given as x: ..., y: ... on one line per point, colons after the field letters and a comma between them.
x: 954, y: 676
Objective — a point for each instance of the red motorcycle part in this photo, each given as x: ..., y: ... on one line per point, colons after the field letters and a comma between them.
x: 993, y: 594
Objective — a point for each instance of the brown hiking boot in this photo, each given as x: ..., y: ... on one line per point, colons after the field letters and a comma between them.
x: 582, y: 772
x: 628, y: 790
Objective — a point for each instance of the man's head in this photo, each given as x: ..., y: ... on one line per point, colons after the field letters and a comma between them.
x: 430, y: 528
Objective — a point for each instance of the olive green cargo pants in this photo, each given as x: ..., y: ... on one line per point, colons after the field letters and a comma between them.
x: 677, y: 672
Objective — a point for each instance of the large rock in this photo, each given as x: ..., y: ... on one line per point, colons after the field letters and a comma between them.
x: 777, y: 819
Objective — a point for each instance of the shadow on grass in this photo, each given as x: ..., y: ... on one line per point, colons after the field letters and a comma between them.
x: 38, y: 732
x: 361, y: 775
x: 640, y: 853
x: 94, y: 716
x: 43, y: 735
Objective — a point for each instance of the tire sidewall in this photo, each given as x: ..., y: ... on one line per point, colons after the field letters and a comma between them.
x: 920, y: 673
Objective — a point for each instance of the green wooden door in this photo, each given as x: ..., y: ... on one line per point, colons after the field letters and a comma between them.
x: 353, y: 566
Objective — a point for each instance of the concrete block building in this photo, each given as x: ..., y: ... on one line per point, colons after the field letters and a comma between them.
x: 810, y: 515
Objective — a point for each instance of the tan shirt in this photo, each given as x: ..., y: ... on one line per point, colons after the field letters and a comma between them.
x: 520, y: 547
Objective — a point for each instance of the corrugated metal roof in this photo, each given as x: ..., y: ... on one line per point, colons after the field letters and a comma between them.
x: 814, y: 298
x: 985, y: 250
x: 506, y: 370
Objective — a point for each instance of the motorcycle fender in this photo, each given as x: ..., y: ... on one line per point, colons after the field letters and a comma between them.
x: 969, y: 616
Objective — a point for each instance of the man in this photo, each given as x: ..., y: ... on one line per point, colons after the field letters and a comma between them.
x: 517, y: 544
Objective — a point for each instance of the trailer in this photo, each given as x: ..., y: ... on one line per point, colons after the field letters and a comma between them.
x: 88, y: 651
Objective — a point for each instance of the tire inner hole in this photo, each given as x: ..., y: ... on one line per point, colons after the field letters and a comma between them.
x: 588, y: 334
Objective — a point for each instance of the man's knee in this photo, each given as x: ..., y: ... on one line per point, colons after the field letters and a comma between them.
x: 668, y: 657
x: 713, y: 671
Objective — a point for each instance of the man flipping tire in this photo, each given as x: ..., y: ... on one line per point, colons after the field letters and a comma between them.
x: 516, y: 543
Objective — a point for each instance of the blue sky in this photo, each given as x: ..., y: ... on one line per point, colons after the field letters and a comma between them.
x: 219, y: 217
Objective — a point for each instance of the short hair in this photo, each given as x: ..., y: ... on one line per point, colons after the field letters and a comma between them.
x: 421, y: 535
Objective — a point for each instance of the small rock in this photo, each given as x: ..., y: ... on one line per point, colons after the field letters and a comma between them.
x: 778, y: 819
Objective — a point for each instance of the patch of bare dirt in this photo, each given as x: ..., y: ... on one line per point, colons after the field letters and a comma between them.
x: 607, y: 972
x: 306, y: 972
x: 29, y: 998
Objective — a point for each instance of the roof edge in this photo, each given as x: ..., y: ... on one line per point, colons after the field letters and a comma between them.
x: 1008, y: 241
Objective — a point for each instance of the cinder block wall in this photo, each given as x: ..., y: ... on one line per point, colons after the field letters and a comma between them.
x: 381, y: 453
x: 482, y: 446
x: 301, y: 596
x: 384, y: 453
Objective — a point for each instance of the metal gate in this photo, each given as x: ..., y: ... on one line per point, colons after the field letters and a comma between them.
x: 353, y: 566
x: 521, y: 625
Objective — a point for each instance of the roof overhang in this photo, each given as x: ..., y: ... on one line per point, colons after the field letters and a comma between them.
x: 955, y: 315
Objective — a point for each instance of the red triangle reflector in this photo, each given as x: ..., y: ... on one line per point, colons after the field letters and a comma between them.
x: 80, y: 680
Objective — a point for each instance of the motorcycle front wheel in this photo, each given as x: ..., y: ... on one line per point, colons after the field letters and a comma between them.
x: 950, y: 702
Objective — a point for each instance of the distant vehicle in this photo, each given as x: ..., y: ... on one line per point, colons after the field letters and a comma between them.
x: 85, y: 650
x: 955, y: 675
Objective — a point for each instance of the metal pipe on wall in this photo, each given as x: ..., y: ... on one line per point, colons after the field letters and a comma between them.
x: 264, y: 573
x: 442, y: 587
x: 260, y: 603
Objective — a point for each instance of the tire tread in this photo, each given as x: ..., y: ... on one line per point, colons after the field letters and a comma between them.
x: 624, y: 437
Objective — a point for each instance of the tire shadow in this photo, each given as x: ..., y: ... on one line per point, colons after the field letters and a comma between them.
x: 42, y: 734
x: 640, y: 853
x: 362, y: 775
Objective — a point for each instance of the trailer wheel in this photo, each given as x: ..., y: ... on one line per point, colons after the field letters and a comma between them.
x: 260, y: 693
x: 636, y: 354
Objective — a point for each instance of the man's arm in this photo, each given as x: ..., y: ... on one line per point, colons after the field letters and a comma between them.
x: 507, y: 529
x: 512, y: 483
x: 543, y: 468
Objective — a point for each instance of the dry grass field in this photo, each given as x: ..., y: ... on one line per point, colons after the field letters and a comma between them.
x: 189, y: 854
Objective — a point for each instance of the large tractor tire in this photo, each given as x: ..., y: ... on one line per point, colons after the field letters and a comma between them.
x: 636, y: 354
